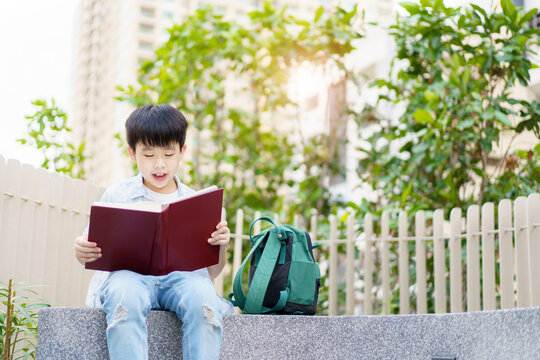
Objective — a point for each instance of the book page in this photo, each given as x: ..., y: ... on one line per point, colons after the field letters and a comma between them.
x: 151, y: 206
x: 189, y: 196
x: 141, y: 206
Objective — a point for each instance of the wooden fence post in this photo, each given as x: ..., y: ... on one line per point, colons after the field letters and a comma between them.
x: 332, y: 288
x: 385, y: 234
x: 456, y: 279
x: 313, y: 232
x: 420, y: 231
x: 473, y: 259
x: 522, y: 253
x: 439, y: 261
x: 368, y: 265
x: 26, y: 223
x: 506, y: 254
x: 10, y: 223
x: 533, y: 227
x: 39, y: 254
x: 66, y: 258
x: 488, y: 257
x: 79, y: 224
x: 351, y: 254
x: 257, y: 226
x: 404, y: 306
x: 237, y: 255
x: 54, y: 233
x: 218, y: 281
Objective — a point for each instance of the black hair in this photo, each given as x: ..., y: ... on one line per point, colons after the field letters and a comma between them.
x: 156, y: 125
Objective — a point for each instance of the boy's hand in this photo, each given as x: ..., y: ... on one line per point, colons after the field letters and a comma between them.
x: 86, y: 251
x: 221, y: 236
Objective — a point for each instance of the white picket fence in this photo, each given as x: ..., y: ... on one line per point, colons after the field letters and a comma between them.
x: 41, y: 213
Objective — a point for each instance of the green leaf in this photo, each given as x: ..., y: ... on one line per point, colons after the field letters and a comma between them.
x: 465, y: 124
x: 528, y: 16
x: 406, y: 192
x: 411, y: 7
x: 465, y: 79
x: 431, y: 96
x: 508, y: 7
x: 502, y: 118
x: 318, y: 14
x: 422, y: 116
x: 23, y: 311
x: 480, y: 10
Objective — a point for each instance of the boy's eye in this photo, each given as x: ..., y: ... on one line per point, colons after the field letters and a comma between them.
x: 148, y: 155
x: 169, y: 154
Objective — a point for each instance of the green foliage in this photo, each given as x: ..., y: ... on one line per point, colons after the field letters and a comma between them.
x: 453, y: 79
x: 453, y: 75
x: 18, y: 321
x: 240, y: 146
x: 47, y: 130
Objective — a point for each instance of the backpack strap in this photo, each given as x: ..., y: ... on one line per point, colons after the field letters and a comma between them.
x: 238, y: 297
x: 252, y: 304
x: 261, y: 278
x: 278, y: 230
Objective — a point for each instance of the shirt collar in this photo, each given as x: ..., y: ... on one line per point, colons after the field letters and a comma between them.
x: 138, y: 186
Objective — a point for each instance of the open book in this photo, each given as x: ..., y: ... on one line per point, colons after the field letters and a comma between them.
x: 154, y: 239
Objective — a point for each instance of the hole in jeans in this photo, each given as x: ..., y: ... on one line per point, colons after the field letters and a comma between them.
x: 210, y: 317
x: 119, y: 315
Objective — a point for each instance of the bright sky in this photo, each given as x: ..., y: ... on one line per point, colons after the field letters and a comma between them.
x: 35, y: 62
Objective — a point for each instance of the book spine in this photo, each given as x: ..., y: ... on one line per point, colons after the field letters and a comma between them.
x: 158, y: 256
x: 164, y: 241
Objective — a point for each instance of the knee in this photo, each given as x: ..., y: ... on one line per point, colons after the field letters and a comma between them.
x: 123, y: 293
x: 202, y: 302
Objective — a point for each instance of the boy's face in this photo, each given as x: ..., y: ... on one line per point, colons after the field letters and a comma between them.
x: 158, y: 165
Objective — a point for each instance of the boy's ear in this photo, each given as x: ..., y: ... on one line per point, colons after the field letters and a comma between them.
x: 131, y: 153
x: 183, y: 149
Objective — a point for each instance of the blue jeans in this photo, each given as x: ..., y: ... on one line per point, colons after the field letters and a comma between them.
x: 127, y: 297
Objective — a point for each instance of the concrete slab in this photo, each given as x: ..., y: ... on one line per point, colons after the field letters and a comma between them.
x: 79, y: 333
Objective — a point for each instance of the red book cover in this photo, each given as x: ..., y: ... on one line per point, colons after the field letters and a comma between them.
x: 155, y: 239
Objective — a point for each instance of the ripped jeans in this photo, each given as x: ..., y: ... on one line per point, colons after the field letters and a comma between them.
x: 127, y: 297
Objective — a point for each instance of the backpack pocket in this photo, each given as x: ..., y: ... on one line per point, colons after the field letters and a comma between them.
x: 303, y: 283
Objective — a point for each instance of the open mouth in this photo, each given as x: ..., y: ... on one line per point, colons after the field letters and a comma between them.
x: 159, y: 176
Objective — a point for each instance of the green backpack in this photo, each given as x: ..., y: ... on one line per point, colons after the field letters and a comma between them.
x: 283, y: 276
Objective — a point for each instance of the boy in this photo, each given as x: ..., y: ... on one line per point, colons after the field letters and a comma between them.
x: 156, y: 136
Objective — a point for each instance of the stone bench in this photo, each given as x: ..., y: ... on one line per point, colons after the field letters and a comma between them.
x: 79, y: 333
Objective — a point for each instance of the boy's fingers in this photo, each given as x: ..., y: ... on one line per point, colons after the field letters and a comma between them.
x: 86, y: 247
x: 219, y: 240
x: 221, y: 231
x: 85, y: 243
x: 86, y: 250
x: 221, y: 224
x: 90, y: 257
x: 220, y: 236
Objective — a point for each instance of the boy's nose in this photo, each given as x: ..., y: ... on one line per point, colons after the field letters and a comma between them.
x: 159, y: 163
